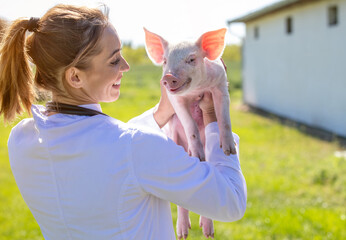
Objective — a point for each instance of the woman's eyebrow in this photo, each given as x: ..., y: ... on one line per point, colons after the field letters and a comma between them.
x: 114, y: 52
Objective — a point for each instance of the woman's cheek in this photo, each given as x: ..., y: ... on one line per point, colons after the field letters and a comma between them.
x: 116, y: 69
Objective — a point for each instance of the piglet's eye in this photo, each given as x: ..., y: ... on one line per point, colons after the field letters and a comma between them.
x: 165, y: 61
x: 191, y: 61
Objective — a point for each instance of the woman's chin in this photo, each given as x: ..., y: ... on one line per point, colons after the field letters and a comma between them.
x: 112, y: 98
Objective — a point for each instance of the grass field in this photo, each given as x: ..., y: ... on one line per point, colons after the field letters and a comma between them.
x: 296, y: 184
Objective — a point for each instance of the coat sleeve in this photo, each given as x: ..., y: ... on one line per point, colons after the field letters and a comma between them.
x: 215, y: 188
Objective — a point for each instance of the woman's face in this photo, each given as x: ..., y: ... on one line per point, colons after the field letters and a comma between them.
x: 103, y: 78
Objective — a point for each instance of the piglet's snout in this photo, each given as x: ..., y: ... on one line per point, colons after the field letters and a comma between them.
x: 171, y: 81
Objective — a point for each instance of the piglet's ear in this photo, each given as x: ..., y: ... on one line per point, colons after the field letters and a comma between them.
x: 155, y: 46
x: 213, y: 43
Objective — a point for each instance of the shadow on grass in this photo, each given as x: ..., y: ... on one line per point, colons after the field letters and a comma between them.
x: 315, y: 132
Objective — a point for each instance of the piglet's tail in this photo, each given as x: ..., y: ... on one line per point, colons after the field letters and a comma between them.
x: 16, y: 77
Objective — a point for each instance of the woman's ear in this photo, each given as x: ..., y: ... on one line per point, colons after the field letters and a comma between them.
x: 72, y: 78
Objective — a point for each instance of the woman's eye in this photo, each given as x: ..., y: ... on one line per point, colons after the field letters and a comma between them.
x: 115, y: 62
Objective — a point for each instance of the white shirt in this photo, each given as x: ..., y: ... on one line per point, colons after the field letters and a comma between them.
x: 99, y: 178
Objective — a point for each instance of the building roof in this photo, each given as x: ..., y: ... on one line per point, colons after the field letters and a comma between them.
x: 267, y: 10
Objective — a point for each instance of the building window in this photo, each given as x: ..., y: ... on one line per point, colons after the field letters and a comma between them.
x: 289, y: 27
x: 256, y: 32
x: 333, y: 15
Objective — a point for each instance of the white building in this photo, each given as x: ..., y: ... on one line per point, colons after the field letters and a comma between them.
x: 294, y: 61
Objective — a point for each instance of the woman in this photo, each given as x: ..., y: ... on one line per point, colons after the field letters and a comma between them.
x: 85, y: 175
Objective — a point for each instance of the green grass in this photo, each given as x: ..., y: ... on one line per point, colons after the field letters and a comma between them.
x: 296, y: 186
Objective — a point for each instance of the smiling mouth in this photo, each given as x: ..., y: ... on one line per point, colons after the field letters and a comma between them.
x: 116, y: 85
x: 175, y: 90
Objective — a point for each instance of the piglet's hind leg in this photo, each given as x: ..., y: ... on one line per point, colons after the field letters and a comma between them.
x: 183, y: 223
x: 207, y: 225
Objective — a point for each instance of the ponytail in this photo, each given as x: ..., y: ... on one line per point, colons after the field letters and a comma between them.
x: 16, y: 78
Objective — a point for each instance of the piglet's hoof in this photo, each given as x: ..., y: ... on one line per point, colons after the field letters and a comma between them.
x: 229, y: 149
x: 183, y: 226
x: 207, y: 225
x: 197, y: 153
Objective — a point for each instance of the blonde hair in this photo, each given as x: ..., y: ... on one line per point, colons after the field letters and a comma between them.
x: 66, y: 36
x: 3, y: 24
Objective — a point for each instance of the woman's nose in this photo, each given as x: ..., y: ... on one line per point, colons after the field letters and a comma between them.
x: 125, y: 67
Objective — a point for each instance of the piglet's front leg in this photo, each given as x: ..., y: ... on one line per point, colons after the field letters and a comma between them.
x: 181, y: 107
x: 221, y: 105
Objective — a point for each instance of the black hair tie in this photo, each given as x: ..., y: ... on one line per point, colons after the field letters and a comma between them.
x: 33, y: 24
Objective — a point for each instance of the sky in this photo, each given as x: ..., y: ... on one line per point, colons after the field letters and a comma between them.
x: 173, y: 19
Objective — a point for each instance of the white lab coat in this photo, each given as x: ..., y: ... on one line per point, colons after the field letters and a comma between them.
x: 99, y: 178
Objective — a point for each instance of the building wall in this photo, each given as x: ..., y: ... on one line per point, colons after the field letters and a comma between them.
x: 302, y: 75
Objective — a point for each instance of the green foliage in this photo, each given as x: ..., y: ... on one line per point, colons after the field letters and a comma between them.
x: 296, y: 186
x: 232, y: 59
x: 135, y: 55
x: 232, y: 53
x: 234, y: 75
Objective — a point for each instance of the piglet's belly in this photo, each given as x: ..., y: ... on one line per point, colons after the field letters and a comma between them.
x: 175, y: 129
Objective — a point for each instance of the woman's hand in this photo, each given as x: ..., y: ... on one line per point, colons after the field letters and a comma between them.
x: 163, y: 110
x: 207, y: 106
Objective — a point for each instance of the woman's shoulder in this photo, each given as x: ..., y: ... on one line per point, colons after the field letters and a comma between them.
x: 135, y: 131
x: 24, y: 124
x: 24, y: 128
x: 107, y: 126
x: 117, y: 129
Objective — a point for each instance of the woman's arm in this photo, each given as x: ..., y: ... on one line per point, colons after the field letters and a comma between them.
x: 215, y: 189
x: 163, y: 111
x: 157, y: 117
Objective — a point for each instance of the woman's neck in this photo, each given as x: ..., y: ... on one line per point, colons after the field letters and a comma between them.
x: 72, y: 101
